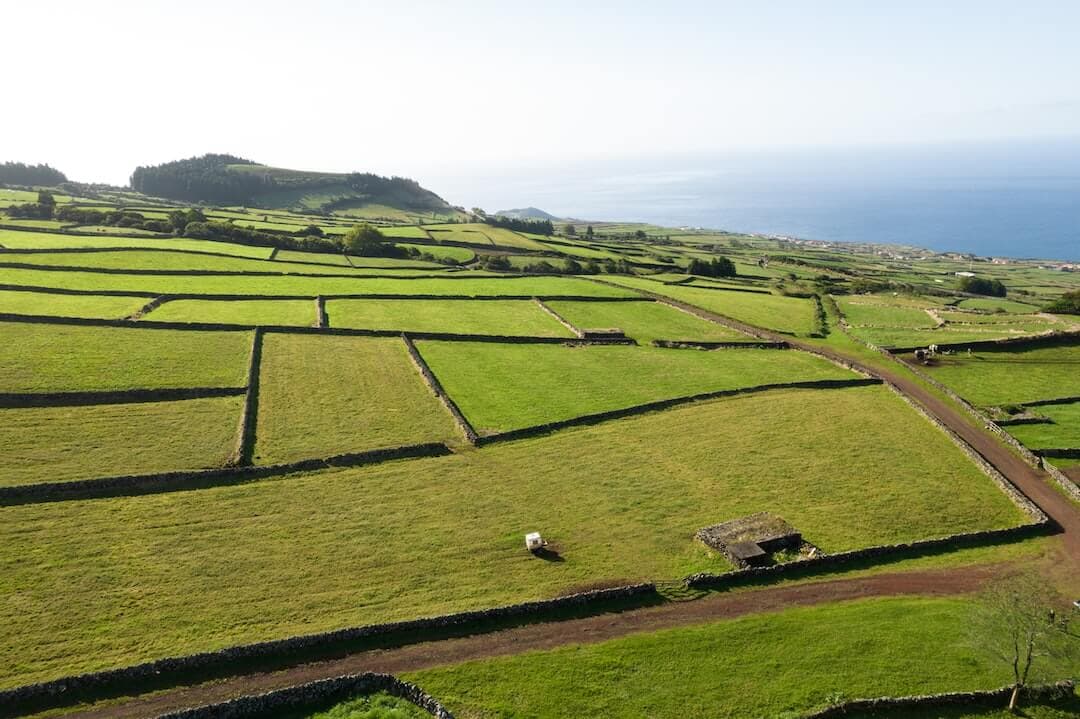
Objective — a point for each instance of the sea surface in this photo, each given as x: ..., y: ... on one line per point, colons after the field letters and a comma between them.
x: 1006, y: 199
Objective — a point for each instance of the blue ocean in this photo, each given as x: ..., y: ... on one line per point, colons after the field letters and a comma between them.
x: 1004, y: 199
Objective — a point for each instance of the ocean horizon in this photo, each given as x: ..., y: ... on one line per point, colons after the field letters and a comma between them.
x: 1017, y: 200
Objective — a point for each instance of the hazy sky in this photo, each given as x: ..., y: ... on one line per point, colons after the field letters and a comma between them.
x: 429, y: 89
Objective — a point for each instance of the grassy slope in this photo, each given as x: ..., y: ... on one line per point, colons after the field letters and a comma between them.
x: 321, y: 396
x: 376, y: 706
x: 993, y: 377
x: 245, y: 312
x: 644, y: 321
x: 55, y: 444
x: 165, y: 260
x: 311, y: 286
x: 86, y: 585
x: 495, y: 317
x: 765, y: 665
x: 1064, y: 433
x: 48, y: 358
x: 502, y: 386
x: 42, y: 303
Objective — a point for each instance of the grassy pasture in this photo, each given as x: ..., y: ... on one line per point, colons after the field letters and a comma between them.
x: 437, y: 284
x: 999, y: 376
x: 43, y: 303
x: 320, y: 396
x: 862, y: 311
x: 17, y: 240
x: 739, y: 668
x: 471, y: 237
x: 1064, y: 433
x: 644, y: 321
x: 501, y: 387
x: 404, y: 231
x: 460, y: 254
x: 993, y: 304
x: 361, y: 262
x: 375, y: 706
x: 783, y: 314
x: 299, y: 313
x: 56, y: 358
x: 495, y: 317
x: 56, y: 444
x: 91, y: 584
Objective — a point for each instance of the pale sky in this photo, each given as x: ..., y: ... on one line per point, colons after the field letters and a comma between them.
x: 430, y: 89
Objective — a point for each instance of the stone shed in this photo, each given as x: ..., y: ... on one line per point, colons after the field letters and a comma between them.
x: 750, y: 541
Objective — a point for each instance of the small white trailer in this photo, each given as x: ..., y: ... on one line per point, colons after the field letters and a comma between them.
x: 534, y: 542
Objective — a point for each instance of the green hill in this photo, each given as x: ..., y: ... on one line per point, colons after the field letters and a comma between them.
x: 228, y: 180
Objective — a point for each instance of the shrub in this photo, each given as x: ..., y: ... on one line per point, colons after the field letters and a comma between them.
x: 982, y: 286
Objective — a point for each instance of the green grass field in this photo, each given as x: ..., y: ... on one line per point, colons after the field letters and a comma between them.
x: 439, y: 283
x: 501, y: 387
x: 57, y: 358
x: 91, y: 584
x: 876, y: 312
x: 322, y: 396
x: 773, y: 665
x: 997, y: 377
x: 376, y: 706
x: 43, y: 303
x: 491, y: 317
x: 18, y: 240
x: 644, y: 321
x: 1064, y: 433
x: 783, y: 314
x: 56, y: 444
x: 300, y: 313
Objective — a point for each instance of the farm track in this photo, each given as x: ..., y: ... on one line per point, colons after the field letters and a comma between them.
x: 551, y: 635
x: 943, y: 582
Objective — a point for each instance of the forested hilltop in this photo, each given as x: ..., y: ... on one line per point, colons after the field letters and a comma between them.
x: 229, y: 180
x: 18, y: 173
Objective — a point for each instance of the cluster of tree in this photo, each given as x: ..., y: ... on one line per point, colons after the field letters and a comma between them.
x: 41, y: 210
x: 717, y: 267
x: 365, y: 240
x: 1067, y: 304
x: 570, y: 266
x: 982, y: 286
x: 536, y: 227
x: 228, y: 232
x: 200, y: 179
x: 18, y: 173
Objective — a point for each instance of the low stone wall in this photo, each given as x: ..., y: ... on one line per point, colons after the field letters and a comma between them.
x: 701, y: 345
x: 826, y: 561
x: 321, y: 320
x: 662, y: 404
x: 273, y: 254
x: 1049, y: 339
x: 561, y: 320
x: 990, y: 698
x: 1059, y: 453
x: 113, y: 682
x: 314, y: 696
x: 147, y: 308
x: 436, y: 387
x: 15, y: 400
x: 245, y: 446
x: 1063, y: 480
x: 130, y: 485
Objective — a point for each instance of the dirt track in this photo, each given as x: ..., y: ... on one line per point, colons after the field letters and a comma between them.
x: 1030, y: 481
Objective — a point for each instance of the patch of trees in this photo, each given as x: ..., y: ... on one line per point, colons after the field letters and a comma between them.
x: 18, y: 173
x: 717, y: 267
x: 228, y: 232
x: 982, y: 286
x: 569, y: 266
x: 365, y: 240
x: 520, y: 224
x: 1067, y: 304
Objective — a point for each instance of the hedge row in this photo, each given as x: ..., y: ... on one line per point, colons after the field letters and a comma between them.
x: 13, y: 400
x: 231, y: 660
x: 130, y: 485
x: 598, y: 417
x: 988, y: 698
x: 314, y: 696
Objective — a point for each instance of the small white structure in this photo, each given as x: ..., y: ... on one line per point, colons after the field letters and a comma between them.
x: 534, y: 542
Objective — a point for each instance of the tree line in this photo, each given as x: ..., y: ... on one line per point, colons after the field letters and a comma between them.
x: 19, y: 173
x: 535, y: 227
x: 983, y: 286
